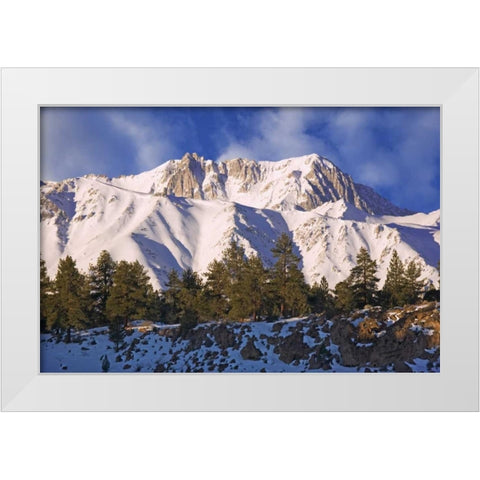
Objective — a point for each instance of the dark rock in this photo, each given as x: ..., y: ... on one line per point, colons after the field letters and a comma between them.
x: 313, y: 332
x: 292, y: 348
x: 224, y: 337
x: 401, y: 367
x: 273, y: 340
x: 320, y: 358
x: 277, y: 326
x: 250, y: 351
x: 127, y: 366
x: 159, y: 368
x: 196, y: 337
x: 416, y: 328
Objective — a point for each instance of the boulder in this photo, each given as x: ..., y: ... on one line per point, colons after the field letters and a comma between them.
x: 224, y: 337
x: 250, y: 351
x: 292, y: 348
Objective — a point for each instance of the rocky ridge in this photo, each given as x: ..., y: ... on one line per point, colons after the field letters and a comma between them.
x: 300, y: 183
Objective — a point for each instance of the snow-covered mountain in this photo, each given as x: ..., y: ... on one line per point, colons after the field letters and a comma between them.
x: 185, y: 212
x: 301, y: 183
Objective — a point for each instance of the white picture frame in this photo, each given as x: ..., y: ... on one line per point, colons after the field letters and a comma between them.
x: 455, y: 388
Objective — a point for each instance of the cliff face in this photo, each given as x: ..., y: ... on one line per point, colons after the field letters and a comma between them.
x: 298, y: 183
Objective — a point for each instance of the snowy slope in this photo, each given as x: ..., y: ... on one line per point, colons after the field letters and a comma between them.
x: 401, y: 339
x: 133, y: 218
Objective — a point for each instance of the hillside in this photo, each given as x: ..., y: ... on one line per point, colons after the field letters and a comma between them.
x: 370, y: 340
x: 185, y: 212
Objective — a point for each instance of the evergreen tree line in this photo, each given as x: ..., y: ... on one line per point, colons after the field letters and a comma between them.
x: 402, y: 285
x: 233, y: 288
x: 111, y: 293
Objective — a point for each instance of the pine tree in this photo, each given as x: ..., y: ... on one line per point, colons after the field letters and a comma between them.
x: 324, y: 288
x: 130, y: 292
x: 155, y: 310
x: 432, y: 294
x: 235, y: 263
x: 171, y: 297
x: 413, y: 286
x: 45, y: 293
x: 344, y: 301
x: 216, y: 301
x: 190, y: 290
x: 252, y: 290
x: 395, y: 282
x: 185, y: 294
x: 117, y: 332
x: 296, y: 299
x: 319, y: 298
x: 67, y: 307
x: 188, y: 320
x: 100, y: 283
x: 287, y: 279
x: 363, y: 280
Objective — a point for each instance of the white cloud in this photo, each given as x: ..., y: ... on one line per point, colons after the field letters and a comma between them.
x: 391, y: 150
x: 151, y: 141
x: 65, y: 150
x: 280, y: 134
x: 403, y: 162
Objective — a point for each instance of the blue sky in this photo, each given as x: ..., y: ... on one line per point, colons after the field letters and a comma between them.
x: 394, y: 150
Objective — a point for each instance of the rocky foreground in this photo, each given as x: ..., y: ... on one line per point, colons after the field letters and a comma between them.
x: 371, y: 340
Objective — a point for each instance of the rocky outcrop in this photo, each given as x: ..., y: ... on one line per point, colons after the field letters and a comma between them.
x: 292, y: 348
x: 369, y: 340
x: 389, y: 338
x: 224, y: 336
x: 307, y: 181
x: 185, y: 178
x: 250, y: 351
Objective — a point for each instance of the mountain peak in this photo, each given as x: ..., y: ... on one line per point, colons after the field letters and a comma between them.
x: 298, y: 183
x: 192, y: 157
